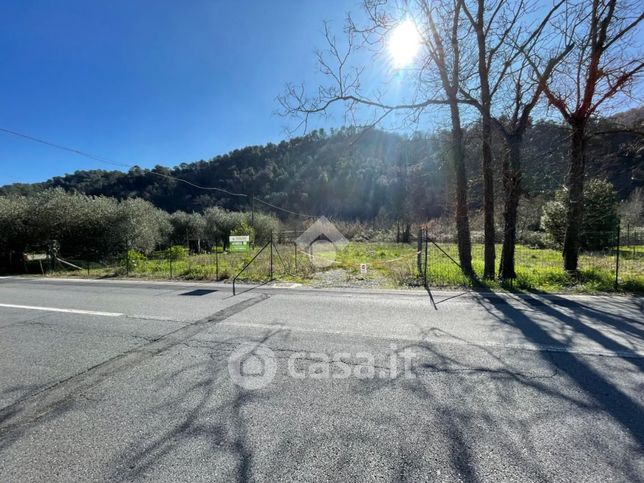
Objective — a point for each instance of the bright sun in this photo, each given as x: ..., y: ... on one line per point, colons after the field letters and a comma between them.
x: 404, y: 42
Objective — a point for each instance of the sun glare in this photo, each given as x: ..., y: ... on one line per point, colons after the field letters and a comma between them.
x: 404, y: 43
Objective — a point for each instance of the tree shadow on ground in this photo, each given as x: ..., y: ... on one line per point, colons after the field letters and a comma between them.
x: 606, y: 315
x: 222, y: 427
x: 455, y: 424
x: 583, y: 387
x: 621, y: 407
x: 210, y: 410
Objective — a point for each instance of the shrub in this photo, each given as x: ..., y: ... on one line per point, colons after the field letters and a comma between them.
x: 176, y: 252
x: 133, y: 260
x: 599, y: 225
x: 533, y: 239
x: 553, y: 220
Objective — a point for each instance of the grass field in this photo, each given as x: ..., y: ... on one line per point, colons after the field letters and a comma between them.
x: 390, y: 265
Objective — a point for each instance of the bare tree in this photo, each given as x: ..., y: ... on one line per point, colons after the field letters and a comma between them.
x: 504, y: 40
x: 603, y: 64
x: 481, y: 24
x: 526, y: 96
x: 436, y: 70
x: 451, y: 81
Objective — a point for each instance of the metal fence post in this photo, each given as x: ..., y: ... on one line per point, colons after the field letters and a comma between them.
x: 170, y: 267
x: 216, y: 263
x: 419, y: 259
x: 271, y: 274
x: 295, y: 249
x: 426, y: 249
x: 617, y: 259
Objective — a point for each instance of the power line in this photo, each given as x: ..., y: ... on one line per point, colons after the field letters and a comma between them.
x: 64, y: 148
x: 284, y: 209
x: 111, y: 162
x: 211, y: 188
x: 167, y: 176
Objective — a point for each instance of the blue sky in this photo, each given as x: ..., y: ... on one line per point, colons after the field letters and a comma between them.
x: 148, y: 81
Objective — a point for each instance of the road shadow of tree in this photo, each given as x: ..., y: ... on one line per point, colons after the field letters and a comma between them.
x: 597, y: 393
x: 224, y: 435
x: 622, y: 408
x: 606, y: 315
x: 222, y: 428
x: 453, y: 423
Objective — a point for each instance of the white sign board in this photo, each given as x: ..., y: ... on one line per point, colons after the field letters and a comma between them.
x: 31, y: 257
x: 363, y: 268
x: 239, y: 238
x: 239, y: 243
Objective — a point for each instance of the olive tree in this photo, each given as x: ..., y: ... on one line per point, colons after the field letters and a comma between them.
x: 141, y: 226
x: 220, y: 223
x: 187, y: 227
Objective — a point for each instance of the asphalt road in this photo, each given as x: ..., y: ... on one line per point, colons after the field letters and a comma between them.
x: 132, y: 381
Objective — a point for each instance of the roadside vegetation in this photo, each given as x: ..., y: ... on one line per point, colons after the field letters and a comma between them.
x: 105, y: 237
x: 388, y: 265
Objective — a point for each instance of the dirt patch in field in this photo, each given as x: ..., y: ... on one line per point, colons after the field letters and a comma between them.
x: 339, y: 277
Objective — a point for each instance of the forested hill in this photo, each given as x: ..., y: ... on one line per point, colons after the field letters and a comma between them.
x: 353, y: 175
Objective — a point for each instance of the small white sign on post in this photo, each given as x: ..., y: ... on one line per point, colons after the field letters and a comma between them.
x: 363, y: 268
x: 239, y: 243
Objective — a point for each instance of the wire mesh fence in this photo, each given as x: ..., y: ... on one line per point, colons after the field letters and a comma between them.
x: 607, y: 260
x: 630, y: 257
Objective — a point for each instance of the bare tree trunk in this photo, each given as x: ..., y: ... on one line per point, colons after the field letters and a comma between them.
x: 486, y: 133
x: 406, y: 235
x: 488, y: 199
x: 575, y: 186
x: 512, y: 187
x: 462, y: 217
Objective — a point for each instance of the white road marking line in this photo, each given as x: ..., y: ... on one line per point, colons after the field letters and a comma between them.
x: 68, y: 311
